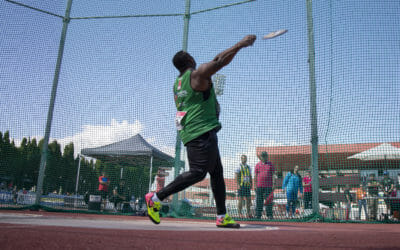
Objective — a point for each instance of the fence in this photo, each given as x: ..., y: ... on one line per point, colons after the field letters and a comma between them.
x: 107, y: 70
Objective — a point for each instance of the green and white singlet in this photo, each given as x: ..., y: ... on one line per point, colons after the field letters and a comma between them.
x: 196, y: 111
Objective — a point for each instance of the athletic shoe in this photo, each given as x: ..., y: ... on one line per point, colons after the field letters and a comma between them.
x: 153, y: 208
x: 227, y: 222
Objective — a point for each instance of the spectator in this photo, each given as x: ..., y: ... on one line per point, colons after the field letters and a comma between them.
x: 86, y: 197
x: 263, y: 174
x: 396, y: 203
x: 14, y: 193
x: 104, y: 183
x: 362, y: 202
x: 292, y: 184
x: 161, y: 174
x: 119, y: 196
x: 244, y: 185
x: 348, y: 199
x: 307, y: 190
x: 373, y: 186
x: 10, y: 186
x: 398, y: 181
x: 387, y: 186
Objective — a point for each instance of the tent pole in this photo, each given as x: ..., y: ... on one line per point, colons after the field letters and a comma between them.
x: 151, y: 171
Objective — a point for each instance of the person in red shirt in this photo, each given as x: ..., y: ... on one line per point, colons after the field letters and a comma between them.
x: 264, y: 179
x: 161, y: 174
x: 104, y: 183
x: 307, y: 191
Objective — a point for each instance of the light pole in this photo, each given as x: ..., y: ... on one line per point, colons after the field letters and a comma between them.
x: 219, y: 84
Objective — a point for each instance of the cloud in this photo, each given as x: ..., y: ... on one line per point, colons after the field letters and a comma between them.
x: 159, y: 145
x: 99, y: 135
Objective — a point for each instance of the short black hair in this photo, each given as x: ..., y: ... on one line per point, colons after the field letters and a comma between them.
x: 181, y: 60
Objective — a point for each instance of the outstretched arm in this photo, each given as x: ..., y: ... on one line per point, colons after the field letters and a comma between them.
x: 201, y: 78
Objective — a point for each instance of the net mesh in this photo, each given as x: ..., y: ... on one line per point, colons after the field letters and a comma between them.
x: 114, y: 96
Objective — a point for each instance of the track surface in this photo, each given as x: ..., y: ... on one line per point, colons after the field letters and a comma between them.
x: 44, y: 230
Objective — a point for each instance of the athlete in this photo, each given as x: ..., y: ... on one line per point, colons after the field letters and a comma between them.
x: 197, y: 122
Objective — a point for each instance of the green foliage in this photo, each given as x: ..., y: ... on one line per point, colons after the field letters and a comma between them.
x: 20, y: 165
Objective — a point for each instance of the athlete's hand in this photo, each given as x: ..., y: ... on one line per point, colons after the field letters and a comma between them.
x: 247, y: 41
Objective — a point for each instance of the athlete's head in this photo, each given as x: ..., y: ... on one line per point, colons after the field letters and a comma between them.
x: 183, y: 61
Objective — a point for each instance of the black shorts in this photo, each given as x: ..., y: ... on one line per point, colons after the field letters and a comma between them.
x: 244, y: 191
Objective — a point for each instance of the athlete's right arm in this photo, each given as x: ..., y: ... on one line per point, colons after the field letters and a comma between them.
x: 201, y: 77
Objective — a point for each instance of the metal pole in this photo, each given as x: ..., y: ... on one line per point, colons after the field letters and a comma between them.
x: 77, y: 175
x: 178, y: 144
x: 313, y: 110
x: 186, y: 19
x: 151, y: 170
x: 77, y: 181
x: 43, y: 158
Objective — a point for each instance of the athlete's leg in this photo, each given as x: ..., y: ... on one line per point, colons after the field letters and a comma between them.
x: 218, y: 186
x: 198, y: 153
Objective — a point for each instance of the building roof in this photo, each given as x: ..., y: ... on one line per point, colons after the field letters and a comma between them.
x: 322, y: 149
x: 334, y: 156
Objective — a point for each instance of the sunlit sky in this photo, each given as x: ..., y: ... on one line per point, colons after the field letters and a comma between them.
x: 116, y: 76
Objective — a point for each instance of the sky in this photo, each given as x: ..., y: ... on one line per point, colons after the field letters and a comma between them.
x: 116, y: 76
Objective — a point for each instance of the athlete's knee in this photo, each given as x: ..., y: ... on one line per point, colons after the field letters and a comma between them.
x: 198, y: 174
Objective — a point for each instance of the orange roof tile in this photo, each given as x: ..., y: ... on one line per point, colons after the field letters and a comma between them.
x: 322, y: 149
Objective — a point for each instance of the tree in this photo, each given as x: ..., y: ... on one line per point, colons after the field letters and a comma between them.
x: 69, y: 169
x: 33, y: 159
x: 53, y: 173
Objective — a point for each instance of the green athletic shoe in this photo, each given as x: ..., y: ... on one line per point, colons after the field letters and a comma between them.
x: 153, y: 208
x: 227, y: 222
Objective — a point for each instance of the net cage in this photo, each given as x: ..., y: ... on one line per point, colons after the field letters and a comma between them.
x: 88, y: 108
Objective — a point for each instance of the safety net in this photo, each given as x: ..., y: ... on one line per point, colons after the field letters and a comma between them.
x: 309, y: 114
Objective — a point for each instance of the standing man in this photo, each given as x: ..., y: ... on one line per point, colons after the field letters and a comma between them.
x: 292, y: 184
x: 373, y: 190
x: 161, y: 174
x: 104, y: 183
x: 362, y: 202
x: 387, y: 186
x: 119, y: 196
x: 244, y: 185
x: 348, y: 199
x: 264, y: 179
x: 197, y: 122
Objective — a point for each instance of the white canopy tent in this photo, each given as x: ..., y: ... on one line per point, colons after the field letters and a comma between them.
x: 385, y: 151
